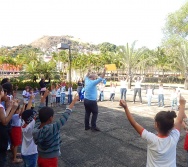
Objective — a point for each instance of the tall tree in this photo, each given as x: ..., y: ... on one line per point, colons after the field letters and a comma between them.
x: 182, y: 62
x: 176, y: 27
x: 130, y: 57
x: 177, y: 22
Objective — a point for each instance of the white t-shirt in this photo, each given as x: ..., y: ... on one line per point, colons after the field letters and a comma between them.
x: 112, y: 89
x: 16, y: 120
x: 1, y: 106
x: 28, y: 145
x: 58, y: 92
x: 123, y: 84
x: 161, y: 152
x: 174, y: 96
x: 53, y: 93
x: 149, y: 92
x: 26, y: 99
x: 63, y: 89
x: 137, y: 84
x: 160, y: 90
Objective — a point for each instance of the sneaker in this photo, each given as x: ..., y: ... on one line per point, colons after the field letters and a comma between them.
x: 95, y: 129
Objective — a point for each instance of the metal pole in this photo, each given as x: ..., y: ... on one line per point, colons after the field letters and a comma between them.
x: 70, y: 81
x: 70, y: 68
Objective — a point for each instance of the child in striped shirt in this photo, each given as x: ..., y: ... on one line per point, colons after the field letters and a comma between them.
x: 49, y: 150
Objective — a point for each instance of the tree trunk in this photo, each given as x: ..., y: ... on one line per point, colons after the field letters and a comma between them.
x: 129, y: 83
x: 130, y: 78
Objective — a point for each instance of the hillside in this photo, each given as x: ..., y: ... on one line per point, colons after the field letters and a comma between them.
x: 49, y: 43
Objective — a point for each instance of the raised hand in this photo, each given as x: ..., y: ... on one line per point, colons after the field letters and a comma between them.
x: 182, y: 101
x: 32, y: 96
x: 123, y: 103
x: 15, y: 105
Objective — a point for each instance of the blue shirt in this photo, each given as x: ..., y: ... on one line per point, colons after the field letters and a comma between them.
x: 91, y: 88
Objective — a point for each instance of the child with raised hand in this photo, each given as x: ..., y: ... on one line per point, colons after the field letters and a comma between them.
x: 161, y: 148
x: 29, y: 148
x: 5, y: 117
x: 16, y: 134
x: 47, y: 134
x: 25, y: 94
x: 173, y: 99
x: 112, y: 91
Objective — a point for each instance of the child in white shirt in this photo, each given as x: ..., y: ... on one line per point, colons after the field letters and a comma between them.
x: 161, y: 148
x: 63, y: 89
x: 173, y: 99
x: 53, y: 96
x: 112, y: 91
x: 25, y: 95
x: 29, y: 148
x: 58, y: 95
x: 149, y: 93
x: 161, y: 96
x: 101, y: 91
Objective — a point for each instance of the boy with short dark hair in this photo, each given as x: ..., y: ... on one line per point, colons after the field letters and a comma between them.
x: 47, y: 134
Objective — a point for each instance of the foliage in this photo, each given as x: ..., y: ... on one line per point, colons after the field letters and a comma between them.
x: 177, y: 22
x: 107, y: 47
x: 131, y: 58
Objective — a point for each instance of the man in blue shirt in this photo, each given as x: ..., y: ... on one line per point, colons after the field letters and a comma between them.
x: 90, y: 100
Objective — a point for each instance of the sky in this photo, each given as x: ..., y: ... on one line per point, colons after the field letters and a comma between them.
x: 95, y: 21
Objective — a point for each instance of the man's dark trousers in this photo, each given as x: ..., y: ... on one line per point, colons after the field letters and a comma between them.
x: 90, y: 107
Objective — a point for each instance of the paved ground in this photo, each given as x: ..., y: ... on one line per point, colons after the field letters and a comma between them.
x: 117, y: 145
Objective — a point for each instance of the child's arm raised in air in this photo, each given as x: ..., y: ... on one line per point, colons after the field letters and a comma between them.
x: 132, y: 121
x: 64, y: 117
x: 29, y: 105
x: 181, y: 114
x: 42, y: 101
x: 12, y: 108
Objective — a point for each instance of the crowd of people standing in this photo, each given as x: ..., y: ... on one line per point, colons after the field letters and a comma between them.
x: 31, y: 127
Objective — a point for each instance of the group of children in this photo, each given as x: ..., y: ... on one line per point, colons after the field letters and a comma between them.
x: 40, y: 138
x: 174, y: 97
x: 31, y: 129
x: 57, y: 94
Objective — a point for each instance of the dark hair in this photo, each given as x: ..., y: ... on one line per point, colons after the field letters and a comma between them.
x: 45, y: 113
x: 165, y: 121
x: 8, y: 87
x: 4, y: 80
x: 1, y: 88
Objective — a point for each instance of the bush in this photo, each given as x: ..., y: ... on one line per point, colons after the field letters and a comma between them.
x: 22, y: 84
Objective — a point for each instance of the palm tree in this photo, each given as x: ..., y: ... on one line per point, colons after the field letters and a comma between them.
x: 130, y: 58
x: 162, y: 60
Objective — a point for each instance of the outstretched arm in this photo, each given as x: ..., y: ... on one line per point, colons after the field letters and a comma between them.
x: 29, y: 105
x: 64, y: 117
x: 181, y: 114
x: 132, y: 121
x: 104, y: 72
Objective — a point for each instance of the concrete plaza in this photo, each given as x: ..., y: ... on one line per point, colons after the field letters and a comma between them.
x: 118, y: 144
